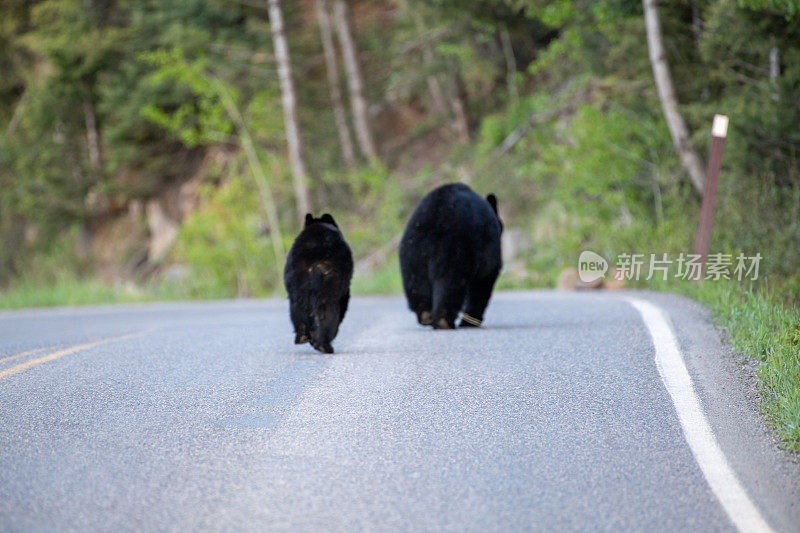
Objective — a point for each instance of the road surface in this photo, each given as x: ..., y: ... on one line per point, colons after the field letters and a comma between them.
x: 555, y: 416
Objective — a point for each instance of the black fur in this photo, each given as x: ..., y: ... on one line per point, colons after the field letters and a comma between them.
x: 317, y: 277
x: 450, y: 255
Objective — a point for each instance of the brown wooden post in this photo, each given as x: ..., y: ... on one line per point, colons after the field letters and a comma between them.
x: 719, y: 130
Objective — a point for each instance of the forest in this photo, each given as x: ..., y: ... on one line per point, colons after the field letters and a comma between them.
x: 165, y: 150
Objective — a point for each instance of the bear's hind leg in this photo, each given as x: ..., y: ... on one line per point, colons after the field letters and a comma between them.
x: 343, y: 302
x: 300, y: 323
x: 448, y: 298
x: 478, y: 295
x: 325, y: 328
x: 419, y: 301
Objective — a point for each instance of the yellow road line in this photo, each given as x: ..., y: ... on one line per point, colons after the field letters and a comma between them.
x: 61, y: 353
x: 23, y: 354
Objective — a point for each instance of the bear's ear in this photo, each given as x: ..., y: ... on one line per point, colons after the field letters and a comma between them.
x: 328, y: 219
x: 309, y: 219
x: 492, y: 199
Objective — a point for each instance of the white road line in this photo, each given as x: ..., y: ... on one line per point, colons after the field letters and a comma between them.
x: 696, y: 429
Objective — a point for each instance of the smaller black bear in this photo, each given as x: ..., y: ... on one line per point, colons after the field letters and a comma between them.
x: 317, y: 277
x: 450, y: 256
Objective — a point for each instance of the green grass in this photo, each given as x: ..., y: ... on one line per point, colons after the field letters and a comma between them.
x: 383, y: 280
x: 765, y: 328
x: 68, y: 293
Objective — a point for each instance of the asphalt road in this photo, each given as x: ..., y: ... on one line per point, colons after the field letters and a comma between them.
x: 205, y: 416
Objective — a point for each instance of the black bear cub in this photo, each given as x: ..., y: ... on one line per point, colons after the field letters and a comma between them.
x: 450, y: 256
x: 317, y: 278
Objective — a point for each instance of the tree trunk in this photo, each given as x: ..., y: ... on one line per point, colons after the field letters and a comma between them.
x: 264, y: 190
x: 332, y: 67
x: 774, y: 63
x: 511, y: 64
x: 355, y: 81
x: 11, y: 128
x: 438, y: 100
x: 92, y: 136
x: 299, y: 175
x: 458, y: 103
x: 774, y: 71
x: 691, y: 162
x: 437, y: 95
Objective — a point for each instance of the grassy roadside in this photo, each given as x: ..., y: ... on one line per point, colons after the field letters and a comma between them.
x: 384, y: 280
x: 72, y: 292
x: 765, y: 328
x: 67, y: 293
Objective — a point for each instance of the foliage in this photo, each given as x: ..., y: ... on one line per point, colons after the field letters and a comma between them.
x: 225, y: 246
x: 790, y: 7
x: 201, y: 117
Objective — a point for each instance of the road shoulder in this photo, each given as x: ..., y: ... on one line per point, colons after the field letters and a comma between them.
x: 727, y: 387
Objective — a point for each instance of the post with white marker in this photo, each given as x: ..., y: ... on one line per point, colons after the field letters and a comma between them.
x: 719, y: 131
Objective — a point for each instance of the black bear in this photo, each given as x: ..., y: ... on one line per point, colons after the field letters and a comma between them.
x: 317, y: 278
x: 450, y: 256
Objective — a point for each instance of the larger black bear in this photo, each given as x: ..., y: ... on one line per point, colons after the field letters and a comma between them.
x: 317, y: 277
x: 450, y: 256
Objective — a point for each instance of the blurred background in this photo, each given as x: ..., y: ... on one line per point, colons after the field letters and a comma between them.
x: 159, y: 150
